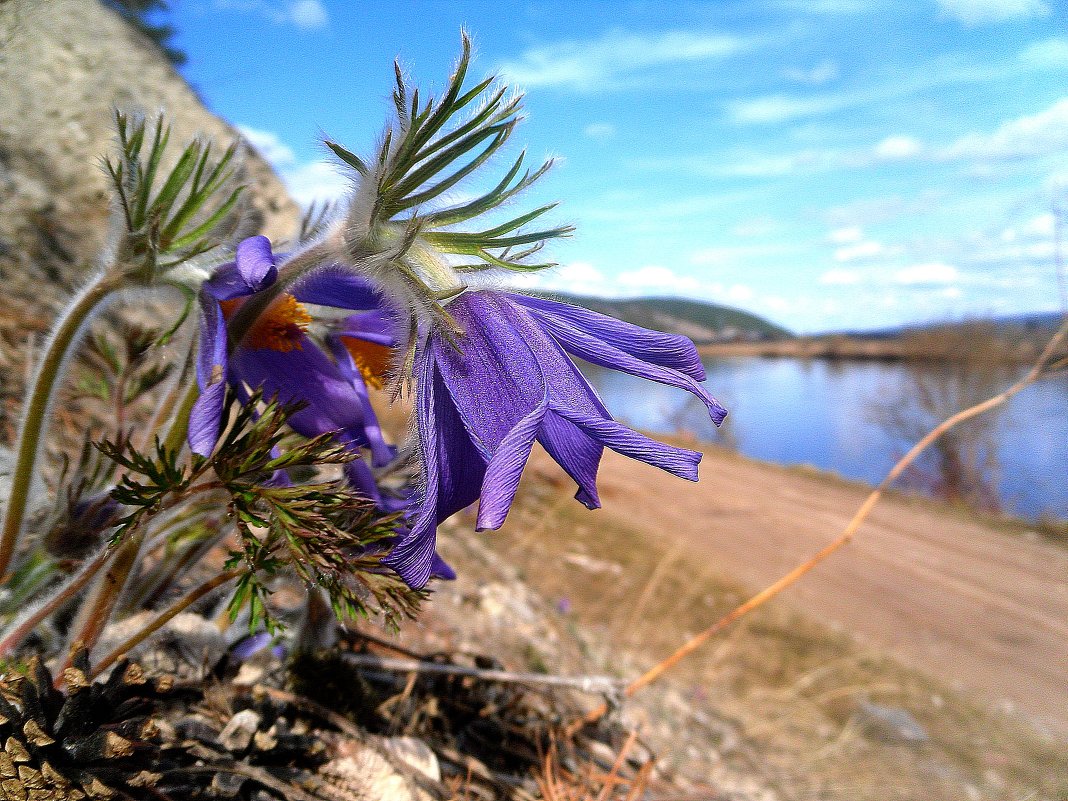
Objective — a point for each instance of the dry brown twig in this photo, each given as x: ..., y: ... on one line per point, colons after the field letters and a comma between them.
x: 588, y: 684
x: 557, y: 784
x: 1042, y: 368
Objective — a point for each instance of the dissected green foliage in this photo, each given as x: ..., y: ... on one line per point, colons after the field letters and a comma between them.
x: 173, y: 218
x: 324, y: 532
x: 427, y: 152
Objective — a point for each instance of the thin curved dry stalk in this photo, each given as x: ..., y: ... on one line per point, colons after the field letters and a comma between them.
x: 22, y: 627
x: 162, y: 618
x: 1039, y: 370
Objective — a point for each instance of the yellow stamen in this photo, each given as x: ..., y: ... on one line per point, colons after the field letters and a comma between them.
x: 279, y: 328
x: 372, y: 360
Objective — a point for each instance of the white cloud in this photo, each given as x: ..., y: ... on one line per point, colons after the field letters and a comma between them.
x: 980, y: 12
x: 927, y: 274
x: 595, y: 64
x: 861, y: 250
x: 307, y: 181
x: 1033, y: 135
x: 1040, y: 134
x: 308, y: 14
x: 893, y: 148
x: 819, y: 74
x: 875, y: 210
x: 600, y: 130
x: 579, y: 277
x: 1047, y: 53
x: 305, y: 14
x: 268, y: 145
x: 843, y: 236
x: 316, y: 181
x: 739, y: 293
x: 840, y: 277
x: 583, y: 278
x: 1040, y: 226
x: 776, y: 303
x: 658, y: 280
x: 782, y: 108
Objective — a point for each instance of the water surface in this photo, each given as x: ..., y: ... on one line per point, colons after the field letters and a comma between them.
x: 857, y: 418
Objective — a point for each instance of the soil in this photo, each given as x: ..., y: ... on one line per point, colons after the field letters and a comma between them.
x: 981, y: 608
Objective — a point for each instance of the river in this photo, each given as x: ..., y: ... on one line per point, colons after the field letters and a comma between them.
x: 857, y: 418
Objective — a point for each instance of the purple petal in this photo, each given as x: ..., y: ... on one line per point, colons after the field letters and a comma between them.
x: 380, y: 326
x: 333, y: 285
x: 576, y: 452
x: 226, y: 283
x: 452, y: 473
x: 668, y: 350
x: 255, y: 262
x: 412, y: 556
x: 461, y: 468
x: 211, y: 349
x: 491, y: 372
x: 307, y: 375
x: 253, y: 270
x: 381, y: 452
x: 677, y: 461
x: 602, y: 353
x: 505, y: 469
x: 361, y: 479
x: 205, y: 419
x: 440, y: 569
x: 251, y: 645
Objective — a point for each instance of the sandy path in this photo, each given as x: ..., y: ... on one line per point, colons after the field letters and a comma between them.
x: 980, y: 608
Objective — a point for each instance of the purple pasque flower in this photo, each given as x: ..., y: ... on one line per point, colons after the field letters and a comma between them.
x: 278, y: 356
x: 487, y: 394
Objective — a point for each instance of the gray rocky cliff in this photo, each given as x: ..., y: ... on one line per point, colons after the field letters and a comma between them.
x: 65, y: 65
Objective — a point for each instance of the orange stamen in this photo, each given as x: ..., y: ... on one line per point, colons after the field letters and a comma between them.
x: 279, y: 328
x: 371, y: 359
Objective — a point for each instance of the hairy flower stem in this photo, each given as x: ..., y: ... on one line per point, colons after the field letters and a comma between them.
x: 170, y: 569
x: 22, y: 628
x: 35, y: 416
x: 94, y: 611
x: 166, y: 408
x: 318, y: 627
x: 162, y: 618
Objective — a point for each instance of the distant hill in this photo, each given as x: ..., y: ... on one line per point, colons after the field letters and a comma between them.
x: 700, y: 321
x: 1036, y: 323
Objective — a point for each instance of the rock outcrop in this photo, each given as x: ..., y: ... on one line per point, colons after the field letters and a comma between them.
x: 65, y: 65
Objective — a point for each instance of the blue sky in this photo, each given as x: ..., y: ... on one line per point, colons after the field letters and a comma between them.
x: 828, y: 164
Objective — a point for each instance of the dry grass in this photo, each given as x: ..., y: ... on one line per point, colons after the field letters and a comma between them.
x: 791, y: 686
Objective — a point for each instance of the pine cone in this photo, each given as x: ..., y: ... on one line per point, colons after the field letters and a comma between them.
x: 94, y: 741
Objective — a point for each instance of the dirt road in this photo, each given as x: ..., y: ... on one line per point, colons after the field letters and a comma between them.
x: 981, y: 608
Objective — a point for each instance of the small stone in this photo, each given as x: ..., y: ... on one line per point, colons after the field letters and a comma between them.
x: 363, y: 774
x: 227, y: 785
x: 195, y: 727
x: 266, y: 740
x: 237, y: 734
x: 414, y: 753
x: 890, y: 724
x: 249, y: 674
